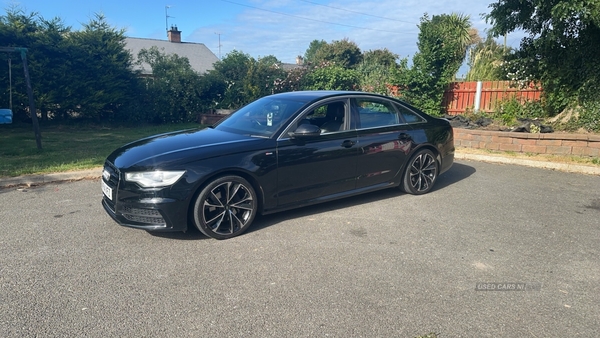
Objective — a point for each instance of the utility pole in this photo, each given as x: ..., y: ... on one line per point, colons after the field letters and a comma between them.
x: 219, y: 34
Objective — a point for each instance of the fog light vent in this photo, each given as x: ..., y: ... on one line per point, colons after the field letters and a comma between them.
x: 148, y: 216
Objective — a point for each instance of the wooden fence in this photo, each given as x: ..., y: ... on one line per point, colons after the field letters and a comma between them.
x: 460, y: 96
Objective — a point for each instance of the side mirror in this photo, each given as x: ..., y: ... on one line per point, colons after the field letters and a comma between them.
x: 306, y: 131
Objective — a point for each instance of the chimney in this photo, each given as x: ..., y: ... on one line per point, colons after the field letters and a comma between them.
x: 174, y: 34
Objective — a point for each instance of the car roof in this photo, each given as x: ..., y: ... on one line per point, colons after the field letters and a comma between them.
x: 310, y: 95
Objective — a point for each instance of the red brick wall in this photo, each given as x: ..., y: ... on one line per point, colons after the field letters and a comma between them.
x: 551, y: 143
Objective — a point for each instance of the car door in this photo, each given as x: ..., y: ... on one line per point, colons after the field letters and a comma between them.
x: 385, y: 141
x: 315, y: 168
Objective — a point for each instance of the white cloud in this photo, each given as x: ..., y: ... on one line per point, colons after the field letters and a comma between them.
x: 286, y: 28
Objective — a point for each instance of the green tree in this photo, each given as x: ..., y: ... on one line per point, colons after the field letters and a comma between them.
x: 377, y: 77
x: 233, y: 69
x: 382, y: 57
x: 174, y: 90
x: 81, y: 74
x: 270, y: 61
x: 247, y: 79
x: 262, y: 77
x: 212, y: 88
x: 52, y: 64
x: 101, y: 67
x: 18, y: 29
x: 343, y: 52
x: 485, y: 61
x: 293, y: 80
x: 311, y: 51
x: 443, y: 42
x: 377, y: 71
x: 234, y: 65
x: 331, y: 77
x: 561, y: 47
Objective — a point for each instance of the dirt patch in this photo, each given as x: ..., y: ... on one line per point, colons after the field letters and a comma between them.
x: 486, y: 123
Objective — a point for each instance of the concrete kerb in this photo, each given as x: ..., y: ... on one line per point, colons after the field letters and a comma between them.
x: 566, y: 167
x: 29, y: 180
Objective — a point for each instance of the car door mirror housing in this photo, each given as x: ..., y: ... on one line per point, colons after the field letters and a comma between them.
x: 304, y: 131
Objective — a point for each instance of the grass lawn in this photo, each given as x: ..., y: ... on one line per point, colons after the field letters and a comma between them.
x: 83, y: 146
x: 67, y: 147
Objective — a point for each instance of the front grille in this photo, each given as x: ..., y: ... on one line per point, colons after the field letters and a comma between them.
x: 112, y: 182
x: 149, y: 216
x: 138, y: 215
x: 114, y: 174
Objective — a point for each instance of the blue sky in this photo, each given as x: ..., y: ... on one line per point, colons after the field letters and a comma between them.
x: 283, y: 28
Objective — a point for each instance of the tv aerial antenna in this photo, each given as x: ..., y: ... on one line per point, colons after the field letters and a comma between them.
x: 167, y: 16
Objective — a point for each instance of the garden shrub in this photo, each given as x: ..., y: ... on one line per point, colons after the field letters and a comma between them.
x: 510, y: 110
x: 589, y: 116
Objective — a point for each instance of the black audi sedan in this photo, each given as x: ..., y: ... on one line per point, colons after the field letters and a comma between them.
x: 279, y: 152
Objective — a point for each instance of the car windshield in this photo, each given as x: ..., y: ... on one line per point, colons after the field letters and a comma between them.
x: 262, y: 117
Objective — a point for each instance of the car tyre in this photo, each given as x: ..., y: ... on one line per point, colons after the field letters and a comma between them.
x: 421, y: 173
x: 225, y: 207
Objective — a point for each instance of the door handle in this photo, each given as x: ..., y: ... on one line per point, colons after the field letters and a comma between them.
x: 348, y: 143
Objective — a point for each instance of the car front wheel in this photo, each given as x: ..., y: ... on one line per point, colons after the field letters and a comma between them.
x: 225, y: 207
x: 421, y: 173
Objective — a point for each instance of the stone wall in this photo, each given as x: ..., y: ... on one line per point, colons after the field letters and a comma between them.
x: 551, y: 143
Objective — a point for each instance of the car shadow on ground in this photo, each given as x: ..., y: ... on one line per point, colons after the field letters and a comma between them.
x: 457, y: 173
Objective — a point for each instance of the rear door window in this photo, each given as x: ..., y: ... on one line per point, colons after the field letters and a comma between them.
x: 408, y: 115
x: 373, y: 113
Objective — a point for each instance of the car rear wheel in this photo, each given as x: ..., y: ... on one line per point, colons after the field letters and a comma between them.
x: 225, y: 208
x: 421, y: 173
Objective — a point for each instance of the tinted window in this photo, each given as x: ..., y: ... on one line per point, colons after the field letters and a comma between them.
x: 376, y: 113
x: 409, y: 115
x: 330, y: 117
x: 262, y: 117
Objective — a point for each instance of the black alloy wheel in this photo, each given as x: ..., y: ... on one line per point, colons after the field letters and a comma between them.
x: 225, y: 208
x: 421, y: 173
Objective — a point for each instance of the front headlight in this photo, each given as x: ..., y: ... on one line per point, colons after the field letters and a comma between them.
x: 154, y: 179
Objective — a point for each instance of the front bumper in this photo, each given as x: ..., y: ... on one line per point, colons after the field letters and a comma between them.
x: 141, y: 218
x: 151, y: 217
x: 150, y: 209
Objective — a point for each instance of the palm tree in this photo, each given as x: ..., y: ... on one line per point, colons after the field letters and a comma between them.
x: 457, y: 29
x: 485, y: 60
